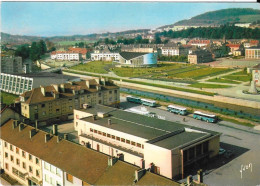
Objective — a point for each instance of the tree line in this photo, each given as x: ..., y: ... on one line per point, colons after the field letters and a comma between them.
x: 227, y: 31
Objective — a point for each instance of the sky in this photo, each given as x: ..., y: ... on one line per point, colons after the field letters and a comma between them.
x: 71, y: 18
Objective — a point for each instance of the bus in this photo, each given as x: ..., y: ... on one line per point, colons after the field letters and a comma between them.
x: 205, y: 117
x: 133, y: 99
x: 177, y: 110
x: 148, y: 102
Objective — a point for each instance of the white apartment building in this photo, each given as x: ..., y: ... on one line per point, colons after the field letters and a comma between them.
x: 104, y: 55
x: 51, y: 175
x: 66, y: 55
x: 168, y: 148
x: 245, y: 25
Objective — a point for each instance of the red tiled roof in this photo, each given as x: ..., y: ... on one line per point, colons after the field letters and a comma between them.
x: 233, y: 45
x: 79, y: 50
x: 254, y: 42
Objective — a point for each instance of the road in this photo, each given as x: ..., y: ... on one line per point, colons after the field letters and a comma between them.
x: 243, y: 141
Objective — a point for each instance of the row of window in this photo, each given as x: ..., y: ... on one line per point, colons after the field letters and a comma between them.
x: 37, y: 172
x: 52, y: 169
x: 123, y: 140
x: 23, y: 153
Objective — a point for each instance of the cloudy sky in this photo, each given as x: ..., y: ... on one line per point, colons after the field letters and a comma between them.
x: 69, y: 18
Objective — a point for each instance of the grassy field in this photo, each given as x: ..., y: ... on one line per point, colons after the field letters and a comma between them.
x: 69, y: 43
x: 8, y: 98
x: 239, y: 76
x: 204, y: 85
x: 94, y: 66
x: 222, y: 80
x: 201, y: 72
x: 135, y: 72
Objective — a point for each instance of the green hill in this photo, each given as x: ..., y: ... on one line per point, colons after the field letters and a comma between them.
x: 220, y: 17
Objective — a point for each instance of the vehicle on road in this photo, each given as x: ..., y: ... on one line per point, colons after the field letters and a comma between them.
x: 221, y: 151
x: 177, y: 110
x: 133, y: 99
x: 205, y: 117
x: 149, y: 103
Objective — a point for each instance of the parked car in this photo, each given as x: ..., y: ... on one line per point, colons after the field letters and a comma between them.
x: 228, y: 154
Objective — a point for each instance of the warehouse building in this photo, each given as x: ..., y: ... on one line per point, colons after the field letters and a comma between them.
x: 167, y: 148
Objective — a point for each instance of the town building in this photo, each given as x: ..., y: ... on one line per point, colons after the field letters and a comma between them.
x: 82, y: 51
x: 11, y: 111
x: 251, y: 43
x: 32, y: 156
x: 138, y: 59
x: 233, y: 47
x: 57, y: 101
x: 20, y: 83
x: 244, y: 25
x: 104, y: 55
x: 66, y: 55
x: 256, y: 74
x: 168, y: 148
x: 199, y: 43
x: 172, y: 49
x: 11, y: 64
x: 200, y: 56
x: 252, y: 53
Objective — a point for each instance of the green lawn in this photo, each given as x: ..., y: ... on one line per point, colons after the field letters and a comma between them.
x: 94, y: 66
x: 201, y: 72
x: 204, y: 85
x: 239, y: 76
x: 8, y: 98
x: 222, y: 80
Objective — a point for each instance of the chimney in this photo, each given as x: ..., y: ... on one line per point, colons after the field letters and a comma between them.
x: 97, y: 80
x: 21, y: 127
x: 189, y: 180
x: 200, y: 176
x: 36, y: 124
x: 87, y: 83
x: 58, y: 139
x: 47, y: 137
x: 56, y: 87
x: 32, y: 133
x: 139, y: 174
x: 66, y: 136
x: 15, y: 123
x: 55, y: 129
x: 109, y: 122
x: 112, y: 161
x: 42, y: 90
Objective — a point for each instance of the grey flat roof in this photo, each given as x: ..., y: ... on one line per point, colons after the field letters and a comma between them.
x: 44, y: 75
x: 147, y: 127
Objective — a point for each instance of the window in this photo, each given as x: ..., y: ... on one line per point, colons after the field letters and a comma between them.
x: 69, y: 177
x: 6, y: 144
x: 113, y: 137
x: 43, y: 105
x: 91, y: 130
x: 23, y: 154
x: 11, y: 147
x: 30, y: 169
x: 17, y: 150
x: 108, y: 135
x: 37, y: 173
x: 99, y: 102
x: 47, y: 178
x: 53, y: 169
x: 6, y: 155
x: 104, y: 134
x: 132, y: 143
x: 110, y: 92
x: 18, y: 162
x: 118, y: 138
x: 30, y: 157
x: 84, y: 183
x: 115, y: 91
x: 138, y: 145
x: 24, y: 165
x: 57, y: 110
x: 95, y: 131
x: 37, y: 161
x: 99, y: 94
x: 99, y: 132
x: 58, y: 172
x: 6, y: 166
x: 122, y: 140
x: 128, y: 141
x: 46, y: 166
x: 12, y: 158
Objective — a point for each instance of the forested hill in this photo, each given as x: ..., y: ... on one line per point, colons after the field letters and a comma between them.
x: 221, y: 17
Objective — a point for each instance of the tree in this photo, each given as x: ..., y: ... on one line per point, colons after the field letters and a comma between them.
x: 23, y: 51
x: 35, y: 52
x: 41, y: 47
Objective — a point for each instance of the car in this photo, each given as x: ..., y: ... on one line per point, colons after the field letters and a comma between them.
x: 221, y: 151
x: 228, y: 154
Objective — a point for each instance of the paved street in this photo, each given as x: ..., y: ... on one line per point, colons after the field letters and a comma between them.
x: 244, y: 142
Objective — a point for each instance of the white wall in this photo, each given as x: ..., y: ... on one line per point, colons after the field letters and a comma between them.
x: 51, y: 175
x: 76, y: 181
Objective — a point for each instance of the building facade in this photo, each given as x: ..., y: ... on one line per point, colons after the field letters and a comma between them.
x: 199, y: 43
x: 11, y: 64
x: 56, y: 102
x: 200, y: 56
x: 145, y: 141
x: 138, y: 59
x: 104, y: 55
x: 252, y: 53
x: 20, y: 83
x: 66, y: 56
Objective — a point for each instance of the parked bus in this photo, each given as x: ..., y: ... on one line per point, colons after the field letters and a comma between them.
x: 205, y: 117
x: 133, y: 99
x: 148, y: 102
x: 177, y: 110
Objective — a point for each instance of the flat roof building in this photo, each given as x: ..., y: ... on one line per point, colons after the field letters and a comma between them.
x: 137, y: 59
x: 32, y: 157
x: 168, y: 148
x: 20, y: 83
